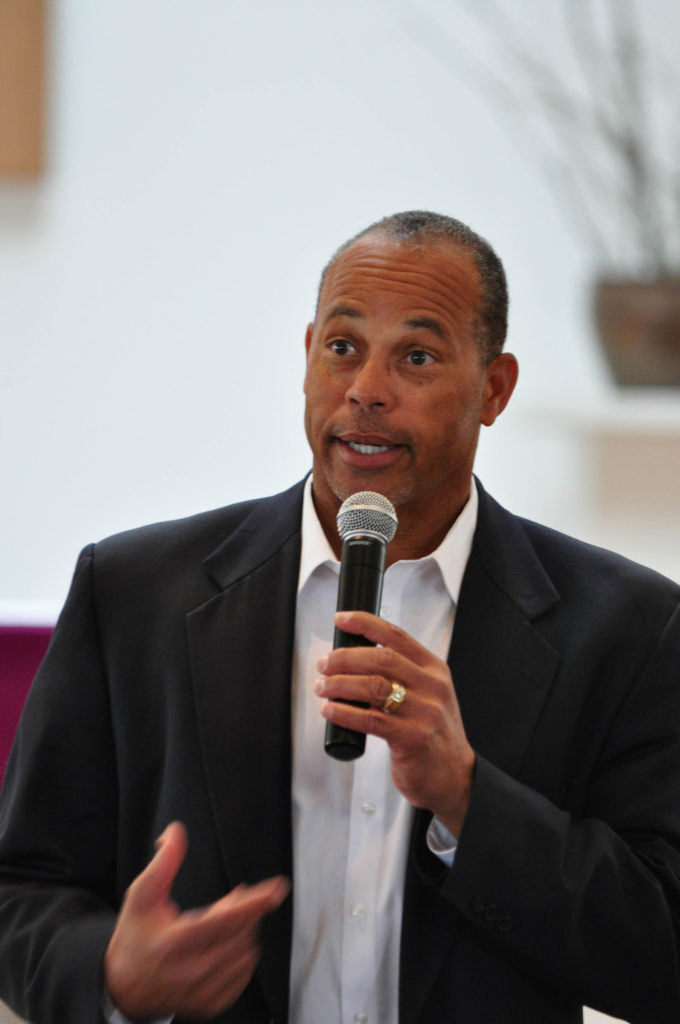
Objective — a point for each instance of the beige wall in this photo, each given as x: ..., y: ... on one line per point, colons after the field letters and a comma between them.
x: 7, y: 1017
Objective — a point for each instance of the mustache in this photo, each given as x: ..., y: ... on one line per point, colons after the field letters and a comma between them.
x: 369, y: 424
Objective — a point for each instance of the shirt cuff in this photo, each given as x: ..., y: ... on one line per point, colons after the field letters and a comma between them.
x: 114, y: 1016
x: 441, y: 843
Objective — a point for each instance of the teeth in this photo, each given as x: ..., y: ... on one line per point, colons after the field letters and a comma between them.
x: 369, y: 449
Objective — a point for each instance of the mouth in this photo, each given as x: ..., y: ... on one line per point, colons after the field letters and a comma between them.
x: 368, y: 451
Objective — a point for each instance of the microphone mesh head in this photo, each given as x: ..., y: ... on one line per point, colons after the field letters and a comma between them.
x: 367, y: 512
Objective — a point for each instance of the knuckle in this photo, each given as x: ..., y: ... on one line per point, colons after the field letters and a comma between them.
x: 376, y: 722
x: 387, y: 659
x: 395, y: 632
x: 438, y: 685
x: 446, y: 700
x: 163, y: 950
x: 444, y: 681
x: 378, y: 688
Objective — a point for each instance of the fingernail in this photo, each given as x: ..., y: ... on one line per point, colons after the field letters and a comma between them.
x: 320, y: 686
x: 322, y: 663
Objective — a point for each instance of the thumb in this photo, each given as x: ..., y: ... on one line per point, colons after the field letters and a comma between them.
x: 153, y: 885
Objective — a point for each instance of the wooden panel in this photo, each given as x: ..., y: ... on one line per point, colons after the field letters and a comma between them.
x: 22, y: 86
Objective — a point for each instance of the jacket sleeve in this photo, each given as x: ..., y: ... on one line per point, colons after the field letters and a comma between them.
x: 58, y: 816
x: 589, y: 903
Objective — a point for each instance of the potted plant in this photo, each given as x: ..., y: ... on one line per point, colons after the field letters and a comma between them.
x: 603, y: 113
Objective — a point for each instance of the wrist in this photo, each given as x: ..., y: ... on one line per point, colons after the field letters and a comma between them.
x: 453, y: 814
x: 115, y: 1016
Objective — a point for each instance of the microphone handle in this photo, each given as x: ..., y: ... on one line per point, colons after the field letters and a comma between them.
x: 359, y: 589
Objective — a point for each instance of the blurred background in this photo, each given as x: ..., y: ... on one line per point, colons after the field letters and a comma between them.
x: 175, y: 175
x: 199, y: 162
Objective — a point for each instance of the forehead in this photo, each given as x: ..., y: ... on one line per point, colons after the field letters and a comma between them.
x: 378, y: 274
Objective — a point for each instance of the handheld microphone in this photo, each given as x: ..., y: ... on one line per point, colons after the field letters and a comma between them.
x: 367, y: 523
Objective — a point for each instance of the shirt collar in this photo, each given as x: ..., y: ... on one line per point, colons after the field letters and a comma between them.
x: 451, y: 556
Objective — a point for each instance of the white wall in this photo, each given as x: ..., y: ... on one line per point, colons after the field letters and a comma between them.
x: 204, y: 160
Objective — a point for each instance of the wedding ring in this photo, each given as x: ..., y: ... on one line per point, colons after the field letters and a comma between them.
x: 398, y: 696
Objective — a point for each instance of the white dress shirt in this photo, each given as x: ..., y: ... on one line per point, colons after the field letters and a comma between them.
x: 351, y: 826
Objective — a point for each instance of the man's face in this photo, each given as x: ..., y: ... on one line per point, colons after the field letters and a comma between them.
x: 395, y: 387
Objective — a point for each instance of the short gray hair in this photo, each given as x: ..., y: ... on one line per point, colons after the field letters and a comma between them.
x: 420, y: 227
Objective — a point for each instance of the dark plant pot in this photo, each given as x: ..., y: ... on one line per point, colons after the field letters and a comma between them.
x: 639, y: 326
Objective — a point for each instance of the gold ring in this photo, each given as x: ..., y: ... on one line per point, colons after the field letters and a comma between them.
x: 398, y: 696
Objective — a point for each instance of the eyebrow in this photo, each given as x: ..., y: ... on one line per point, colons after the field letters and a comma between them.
x: 423, y: 322
x: 344, y: 311
x: 427, y: 323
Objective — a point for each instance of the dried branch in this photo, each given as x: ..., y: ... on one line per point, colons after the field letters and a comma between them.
x: 600, y: 126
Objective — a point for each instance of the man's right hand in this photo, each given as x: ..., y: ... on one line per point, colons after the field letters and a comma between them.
x: 161, y: 962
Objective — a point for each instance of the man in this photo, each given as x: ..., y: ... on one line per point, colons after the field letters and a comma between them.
x: 507, y: 849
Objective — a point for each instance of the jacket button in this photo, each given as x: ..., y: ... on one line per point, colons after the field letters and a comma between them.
x: 491, y: 913
x: 479, y: 904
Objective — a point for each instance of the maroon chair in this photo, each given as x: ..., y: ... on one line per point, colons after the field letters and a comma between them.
x: 21, y: 651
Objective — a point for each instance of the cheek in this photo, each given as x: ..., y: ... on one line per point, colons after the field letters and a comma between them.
x: 323, y: 391
x: 314, y: 400
x: 310, y: 386
x: 318, y: 408
x: 451, y: 425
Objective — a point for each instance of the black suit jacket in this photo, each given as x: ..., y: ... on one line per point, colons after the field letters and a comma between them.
x: 166, y: 694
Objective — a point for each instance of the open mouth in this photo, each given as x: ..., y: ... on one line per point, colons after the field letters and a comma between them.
x: 368, y: 453
x: 370, y: 449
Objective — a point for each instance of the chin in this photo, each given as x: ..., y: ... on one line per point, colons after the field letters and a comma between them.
x: 397, y: 493
x: 342, y: 481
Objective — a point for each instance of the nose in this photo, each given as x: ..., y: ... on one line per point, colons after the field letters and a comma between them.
x: 370, y: 387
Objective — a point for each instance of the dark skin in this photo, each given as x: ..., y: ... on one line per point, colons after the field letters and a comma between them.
x: 397, y: 390
x: 164, y: 962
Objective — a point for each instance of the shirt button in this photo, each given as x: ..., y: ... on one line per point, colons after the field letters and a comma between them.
x: 360, y: 1018
x: 359, y: 911
x: 385, y: 611
x: 368, y: 808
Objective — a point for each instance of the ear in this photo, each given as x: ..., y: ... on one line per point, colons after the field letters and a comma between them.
x: 308, y: 342
x: 500, y: 377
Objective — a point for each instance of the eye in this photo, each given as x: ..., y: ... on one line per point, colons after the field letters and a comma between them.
x: 342, y: 347
x: 417, y: 357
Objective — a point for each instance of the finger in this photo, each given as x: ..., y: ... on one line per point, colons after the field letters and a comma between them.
x: 377, y: 666
x: 231, y: 918
x: 249, y: 903
x: 223, y: 984
x: 380, y: 631
x: 371, y: 720
x: 372, y: 689
x: 153, y: 885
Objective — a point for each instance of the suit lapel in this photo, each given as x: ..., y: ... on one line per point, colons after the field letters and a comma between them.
x: 502, y: 670
x: 241, y: 646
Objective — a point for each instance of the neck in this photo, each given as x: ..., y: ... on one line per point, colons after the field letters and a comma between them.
x: 417, y: 536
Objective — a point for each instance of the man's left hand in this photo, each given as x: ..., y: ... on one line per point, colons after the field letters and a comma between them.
x: 432, y: 761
